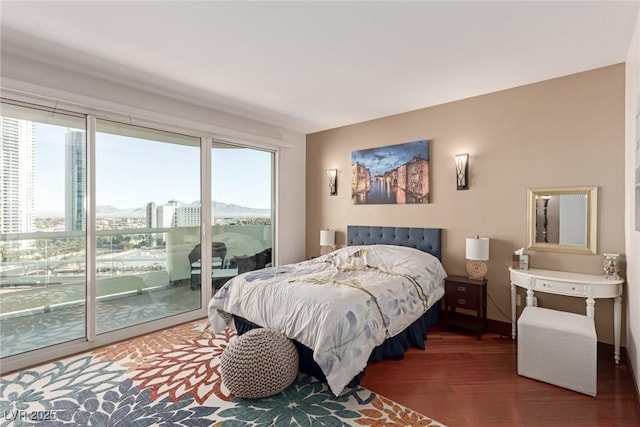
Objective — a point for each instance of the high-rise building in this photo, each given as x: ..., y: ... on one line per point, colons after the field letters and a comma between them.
x: 152, y: 219
x: 173, y: 214
x: 166, y: 214
x: 152, y: 222
x: 17, y: 163
x: 75, y: 217
x: 188, y: 216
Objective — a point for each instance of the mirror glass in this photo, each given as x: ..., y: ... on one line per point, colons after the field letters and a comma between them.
x: 562, y: 219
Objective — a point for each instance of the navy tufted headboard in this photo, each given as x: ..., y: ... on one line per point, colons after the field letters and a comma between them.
x: 425, y: 239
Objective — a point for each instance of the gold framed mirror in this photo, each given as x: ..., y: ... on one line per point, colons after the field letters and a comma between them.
x: 562, y: 219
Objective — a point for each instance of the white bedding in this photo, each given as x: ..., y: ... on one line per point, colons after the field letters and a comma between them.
x: 341, y: 305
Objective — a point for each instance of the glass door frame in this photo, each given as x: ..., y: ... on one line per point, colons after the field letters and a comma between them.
x: 93, y: 340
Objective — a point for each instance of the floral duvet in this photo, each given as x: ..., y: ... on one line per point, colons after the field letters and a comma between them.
x: 341, y: 305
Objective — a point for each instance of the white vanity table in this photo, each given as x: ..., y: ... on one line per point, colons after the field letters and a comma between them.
x: 587, y: 286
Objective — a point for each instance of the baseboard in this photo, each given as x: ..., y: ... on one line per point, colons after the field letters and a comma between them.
x: 500, y: 328
x: 493, y: 326
x: 625, y: 355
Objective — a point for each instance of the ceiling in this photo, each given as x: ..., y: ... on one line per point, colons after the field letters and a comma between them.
x: 311, y: 66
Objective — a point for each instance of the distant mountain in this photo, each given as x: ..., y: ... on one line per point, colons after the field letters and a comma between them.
x: 220, y: 209
x: 228, y: 210
x: 112, y: 212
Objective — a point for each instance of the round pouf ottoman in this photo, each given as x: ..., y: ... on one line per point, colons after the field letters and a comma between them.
x: 260, y: 363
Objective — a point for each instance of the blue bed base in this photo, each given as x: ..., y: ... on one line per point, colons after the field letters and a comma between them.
x: 425, y: 239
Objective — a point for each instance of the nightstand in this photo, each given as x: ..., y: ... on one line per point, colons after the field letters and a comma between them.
x: 470, y: 294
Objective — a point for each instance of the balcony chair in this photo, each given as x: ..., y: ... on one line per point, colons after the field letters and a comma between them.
x: 218, y: 254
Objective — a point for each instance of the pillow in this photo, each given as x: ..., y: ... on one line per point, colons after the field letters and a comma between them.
x: 400, y: 259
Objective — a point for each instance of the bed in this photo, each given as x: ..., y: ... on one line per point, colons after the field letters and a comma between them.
x: 371, y: 300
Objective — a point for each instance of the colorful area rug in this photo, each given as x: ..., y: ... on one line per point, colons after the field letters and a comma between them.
x: 171, y: 378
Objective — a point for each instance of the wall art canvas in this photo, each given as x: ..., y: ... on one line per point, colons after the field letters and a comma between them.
x: 395, y: 174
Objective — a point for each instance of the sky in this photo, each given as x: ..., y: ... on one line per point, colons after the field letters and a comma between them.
x: 383, y: 159
x: 131, y: 172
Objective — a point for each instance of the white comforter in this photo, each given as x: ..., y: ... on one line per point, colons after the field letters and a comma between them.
x: 341, y: 305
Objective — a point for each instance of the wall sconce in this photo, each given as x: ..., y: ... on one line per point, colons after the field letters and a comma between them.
x: 333, y: 181
x: 462, y: 171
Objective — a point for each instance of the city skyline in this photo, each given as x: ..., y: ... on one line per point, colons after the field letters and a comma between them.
x: 123, y: 159
x: 16, y: 177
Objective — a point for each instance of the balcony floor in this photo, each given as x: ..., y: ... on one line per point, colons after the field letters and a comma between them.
x: 43, y: 328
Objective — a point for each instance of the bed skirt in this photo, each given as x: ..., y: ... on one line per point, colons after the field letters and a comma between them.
x: 392, y: 348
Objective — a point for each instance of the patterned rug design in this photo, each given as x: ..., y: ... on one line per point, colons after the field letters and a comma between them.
x: 171, y: 378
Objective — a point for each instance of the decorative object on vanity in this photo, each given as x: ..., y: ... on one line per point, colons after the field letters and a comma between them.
x: 462, y: 171
x: 562, y: 219
x: 520, y: 260
x: 333, y: 181
x: 401, y: 178
x: 611, y: 267
x: 470, y: 294
x: 477, y: 252
x: 327, y: 241
x: 588, y: 286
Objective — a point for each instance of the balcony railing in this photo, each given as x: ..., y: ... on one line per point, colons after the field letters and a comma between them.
x: 44, y: 271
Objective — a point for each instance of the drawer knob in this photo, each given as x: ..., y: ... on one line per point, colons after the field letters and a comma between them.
x: 462, y: 289
x: 462, y: 301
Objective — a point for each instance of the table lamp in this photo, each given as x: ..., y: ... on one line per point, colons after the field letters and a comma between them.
x: 477, y: 253
x: 327, y: 241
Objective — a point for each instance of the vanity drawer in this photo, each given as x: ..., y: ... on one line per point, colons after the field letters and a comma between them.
x: 562, y: 288
x: 521, y: 279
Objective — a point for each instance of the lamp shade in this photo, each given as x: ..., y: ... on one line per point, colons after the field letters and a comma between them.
x: 327, y: 237
x: 477, y: 248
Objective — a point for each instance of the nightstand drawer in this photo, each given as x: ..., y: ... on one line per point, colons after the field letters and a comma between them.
x: 470, y: 301
x: 470, y: 295
x: 462, y: 295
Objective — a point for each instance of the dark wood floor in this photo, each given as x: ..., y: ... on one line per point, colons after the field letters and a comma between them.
x: 460, y: 381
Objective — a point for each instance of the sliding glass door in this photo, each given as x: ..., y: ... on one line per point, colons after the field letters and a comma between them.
x: 101, y: 225
x: 242, y: 209
x: 147, y: 222
x: 43, y: 179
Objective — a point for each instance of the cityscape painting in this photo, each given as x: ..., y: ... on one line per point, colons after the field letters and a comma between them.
x: 394, y: 174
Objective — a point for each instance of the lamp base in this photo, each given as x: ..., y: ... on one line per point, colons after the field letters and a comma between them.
x: 477, y: 269
x: 324, y: 250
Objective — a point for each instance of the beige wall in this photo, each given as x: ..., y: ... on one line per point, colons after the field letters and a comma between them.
x: 568, y: 131
x: 632, y: 295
